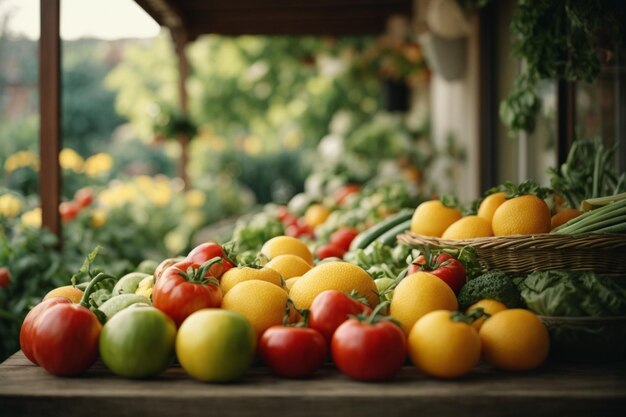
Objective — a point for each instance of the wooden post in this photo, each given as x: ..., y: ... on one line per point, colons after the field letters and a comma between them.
x: 565, y: 119
x: 181, y: 40
x: 50, y: 115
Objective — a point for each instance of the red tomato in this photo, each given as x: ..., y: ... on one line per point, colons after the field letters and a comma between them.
x: 5, y: 277
x: 292, y: 352
x: 369, y: 351
x: 84, y: 197
x: 343, y: 192
x: 448, y: 269
x: 329, y: 250
x: 68, y: 210
x: 343, y: 237
x: 331, y: 308
x: 299, y: 229
x: 183, y: 289
x: 166, y: 263
x: 65, y: 339
x: 28, y: 325
x: 207, y: 251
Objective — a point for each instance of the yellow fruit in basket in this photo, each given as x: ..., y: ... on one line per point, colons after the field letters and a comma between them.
x: 489, y: 205
x: 235, y: 276
x: 523, y: 215
x: 334, y: 275
x: 432, y: 218
x: 489, y: 306
x: 289, y: 266
x: 563, y: 217
x: 316, y: 215
x: 419, y: 294
x: 261, y: 302
x: 468, y: 227
x: 514, y: 340
x: 286, y: 245
x: 442, y: 347
x: 67, y: 291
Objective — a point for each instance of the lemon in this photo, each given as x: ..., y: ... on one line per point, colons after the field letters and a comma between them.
x: 234, y: 276
x: 262, y: 303
x: 489, y: 205
x: 432, y: 218
x: 316, y: 215
x: 333, y: 275
x: 289, y: 266
x: 489, y: 306
x: 418, y: 294
x: 286, y: 245
x: 523, y: 215
x: 468, y: 227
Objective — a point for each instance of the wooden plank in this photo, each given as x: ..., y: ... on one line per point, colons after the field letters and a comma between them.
x: 556, y: 389
x: 50, y: 115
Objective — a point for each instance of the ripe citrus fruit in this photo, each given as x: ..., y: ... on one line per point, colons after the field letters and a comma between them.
x: 468, y: 227
x: 286, y: 245
x: 523, y: 215
x: 333, y: 275
x: 418, y: 294
x: 432, y: 218
x: 563, y: 217
x: 316, y: 215
x: 234, y: 276
x: 443, y: 348
x: 215, y: 345
x: 514, y: 340
x: 67, y: 291
x: 489, y: 306
x: 289, y: 266
x: 489, y: 205
x: 261, y: 302
x: 289, y: 283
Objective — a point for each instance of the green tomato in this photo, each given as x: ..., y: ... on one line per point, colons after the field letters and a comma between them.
x: 215, y: 345
x: 138, y: 342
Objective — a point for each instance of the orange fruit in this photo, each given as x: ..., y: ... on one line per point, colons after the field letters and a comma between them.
x: 443, y: 348
x: 316, y: 215
x: 289, y: 266
x: 289, y: 283
x: 234, y: 276
x: 432, y: 218
x: 468, y: 227
x: 286, y: 245
x: 514, y: 340
x: 523, y: 215
x: 489, y: 205
x: 419, y: 294
x: 563, y: 217
x: 333, y: 275
x: 67, y: 291
x: 490, y: 307
x: 261, y: 302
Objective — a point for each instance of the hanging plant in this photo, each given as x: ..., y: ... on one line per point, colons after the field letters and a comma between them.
x: 558, y: 39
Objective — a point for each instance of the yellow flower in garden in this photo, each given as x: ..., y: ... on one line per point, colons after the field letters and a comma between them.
x: 144, y: 183
x: 161, y: 195
x: 194, y: 218
x: 32, y: 218
x: 98, y: 217
x: 70, y: 159
x: 20, y: 160
x: 195, y: 198
x: 10, y: 205
x: 98, y: 164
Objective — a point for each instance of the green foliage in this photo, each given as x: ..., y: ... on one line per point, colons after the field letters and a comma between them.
x: 557, y: 39
x: 36, y: 268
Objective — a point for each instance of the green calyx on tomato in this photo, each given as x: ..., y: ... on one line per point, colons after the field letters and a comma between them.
x: 202, y: 274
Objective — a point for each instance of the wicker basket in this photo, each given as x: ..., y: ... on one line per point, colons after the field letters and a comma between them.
x: 602, y: 253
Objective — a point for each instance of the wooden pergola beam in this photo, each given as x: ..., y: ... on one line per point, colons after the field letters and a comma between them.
x: 50, y: 115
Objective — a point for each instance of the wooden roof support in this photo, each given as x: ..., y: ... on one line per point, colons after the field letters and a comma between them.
x: 181, y: 40
x: 50, y: 115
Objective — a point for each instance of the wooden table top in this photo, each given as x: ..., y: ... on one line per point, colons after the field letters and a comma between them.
x: 563, y: 389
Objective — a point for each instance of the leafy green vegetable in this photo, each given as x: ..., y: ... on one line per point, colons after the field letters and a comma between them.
x: 380, y: 260
x: 574, y: 294
x: 493, y: 284
x: 251, y: 233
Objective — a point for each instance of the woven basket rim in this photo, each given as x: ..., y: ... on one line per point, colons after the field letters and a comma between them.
x: 550, y: 241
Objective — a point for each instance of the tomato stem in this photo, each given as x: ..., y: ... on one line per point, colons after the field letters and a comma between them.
x: 375, y: 315
x: 84, y: 301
